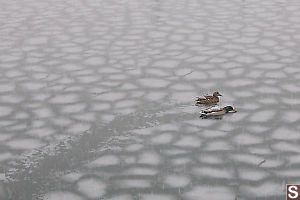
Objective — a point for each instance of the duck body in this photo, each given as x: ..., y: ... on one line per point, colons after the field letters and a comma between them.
x: 206, y: 99
x: 217, y: 111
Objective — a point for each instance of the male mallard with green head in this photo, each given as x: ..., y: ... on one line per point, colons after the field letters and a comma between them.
x: 217, y: 111
x: 208, y: 99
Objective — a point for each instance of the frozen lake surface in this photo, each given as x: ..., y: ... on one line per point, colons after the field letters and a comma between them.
x: 97, y: 99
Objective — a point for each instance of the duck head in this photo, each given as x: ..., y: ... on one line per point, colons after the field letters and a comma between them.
x: 230, y: 109
x: 216, y: 94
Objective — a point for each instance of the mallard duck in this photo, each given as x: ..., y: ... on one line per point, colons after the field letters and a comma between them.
x: 217, y: 111
x: 208, y: 99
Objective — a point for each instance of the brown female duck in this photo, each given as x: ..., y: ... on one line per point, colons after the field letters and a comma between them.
x: 208, y: 99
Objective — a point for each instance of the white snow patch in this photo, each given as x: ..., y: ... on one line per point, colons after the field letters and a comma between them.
x: 210, y: 192
x: 104, y: 161
x: 213, y: 172
x: 92, y: 188
x: 24, y: 144
x: 78, y: 128
x: 64, y: 98
x: 174, y: 180
x: 140, y: 171
x: 151, y: 158
x: 166, y: 63
x: 134, y: 183
x: 286, y: 134
x: 5, y: 110
x: 218, y: 146
x: 188, y: 141
x: 157, y: 197
x: 70, y: 67
x: 38, y: 40
x: 211, y: 159
x: 153, y: 82
x: 62, y: 195
x: 252, y: 175
x: 162, y: 139
x: 269, y: 65
x: 71, y: 177
x: 5, y: 156
x: 111, y: 96
x: 263, y: 190
x: 95, y: 61
x: 247, y: 139
x: 262, y: 116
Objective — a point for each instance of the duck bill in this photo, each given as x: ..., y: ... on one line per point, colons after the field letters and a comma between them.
x: 234, y: 110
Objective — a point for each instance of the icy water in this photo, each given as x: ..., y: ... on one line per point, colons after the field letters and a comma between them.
x: 97, y: 99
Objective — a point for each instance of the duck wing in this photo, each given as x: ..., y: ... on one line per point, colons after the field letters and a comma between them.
x: 212, y: 109
x: 216, y: 113
x: 208, y: 96
x: 201, y: 98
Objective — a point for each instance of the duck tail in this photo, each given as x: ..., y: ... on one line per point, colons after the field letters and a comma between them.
x: 203, y: 115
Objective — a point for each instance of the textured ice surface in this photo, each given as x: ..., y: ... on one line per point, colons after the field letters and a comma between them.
x: 141, y: 171
x: 150, y: 158
x: 162, y: 139
x: 133, y: 183
x: 62, y: 195
x: 188, y: 141
x: 210, y: 192
x: 4, y: 111
x: 91, y: 187
x: 247, y: 158
x: 104, y: 160
x: 177, y: 180
x: 97, y: 99
x: 262, y: 116
x: 24, y: 144
x: 5, y: 156
x: 153, y: 82
x: 95, y: 61
x: 71, y: 177
x: 210, y: 159
x: 120, y: 197
x: 157, y: 196
x: 213, y: 172
x: 218, y: 146
x: 263, y: 190
x: 247, y: 139
x: 283, y: 133
x: 252, y: 175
